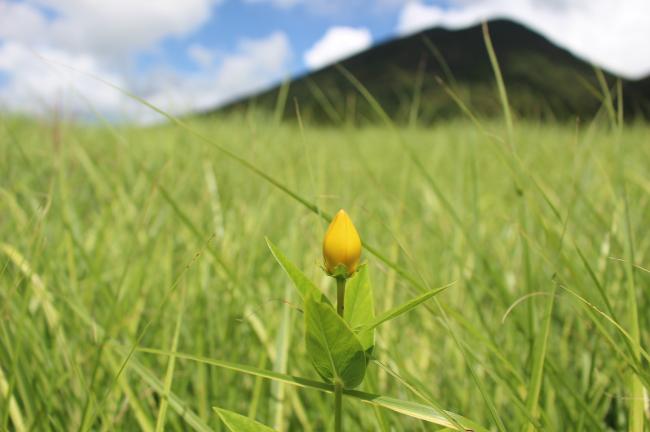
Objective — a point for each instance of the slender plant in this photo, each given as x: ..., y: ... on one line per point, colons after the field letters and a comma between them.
x: 341, y: 254
x: 340, y: 337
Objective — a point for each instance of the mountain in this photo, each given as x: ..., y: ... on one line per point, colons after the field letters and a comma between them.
x: 543, y: 81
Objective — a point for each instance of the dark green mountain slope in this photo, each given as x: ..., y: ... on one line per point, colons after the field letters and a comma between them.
x: 543, y: 81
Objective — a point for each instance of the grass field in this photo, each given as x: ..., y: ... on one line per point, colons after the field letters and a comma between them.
x: 119, y: 245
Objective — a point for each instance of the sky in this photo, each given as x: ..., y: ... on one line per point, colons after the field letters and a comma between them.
x: 186, y: 55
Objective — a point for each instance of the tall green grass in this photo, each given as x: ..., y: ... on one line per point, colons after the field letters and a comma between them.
x: 119, y: 246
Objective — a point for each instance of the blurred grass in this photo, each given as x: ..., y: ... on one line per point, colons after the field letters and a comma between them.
x: 113, y: 233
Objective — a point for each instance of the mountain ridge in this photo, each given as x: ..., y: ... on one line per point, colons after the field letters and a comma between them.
x: 543, y: 80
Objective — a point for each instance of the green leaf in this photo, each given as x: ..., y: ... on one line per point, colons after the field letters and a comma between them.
x: 239, y: 423
x: 405, y: 307
x: 359, y: 307
x: 417, y: 410
x: 411, y: 409
x: 335, y: 351
x: 302, y: 282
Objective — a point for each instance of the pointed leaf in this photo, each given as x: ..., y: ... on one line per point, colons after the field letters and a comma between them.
x: 411, y: 409
x: 335, y: 351
x: 405, y: 307
x: 302, y: 282
x: 417, y: 410
x: 359, y: 307
x: 239, y: 423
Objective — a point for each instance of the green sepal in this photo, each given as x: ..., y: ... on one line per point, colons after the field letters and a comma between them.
x: 341, y: 271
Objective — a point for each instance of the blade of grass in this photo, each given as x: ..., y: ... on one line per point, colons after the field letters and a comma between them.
x: 446, y: 70
x: 537, y: 373
x: 324, y: 102
x: 281, y: 101
x: 405, y: 307
x: 260, y: 332
x: 176, y: 403
x: 606, y: 95
x: 411, y: 409
x: 169, y: 375
x: 280, y: 362
x: 257, y: 389
x: 503, y: 95
x: 636, y: 389
x: 144, y: 421
x: 192, y: 227
x: 14, y: 410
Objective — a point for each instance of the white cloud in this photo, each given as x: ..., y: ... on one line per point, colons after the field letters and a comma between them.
x: 336, y: 44
x: 53, y: 79
x: 46, y: 58
x: 339, y: 8
x: 39, y: 38
x: 37, y: 87
x: 611, y: 34
x: 22, y: 22
x: 258, y: 63
x: 110, y: 29
x: 201, y: 55
x: 282, y: 4
x: 416, y: 16
x: 255, y: 64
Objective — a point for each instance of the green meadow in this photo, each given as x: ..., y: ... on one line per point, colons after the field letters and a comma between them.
x: 138, y: 292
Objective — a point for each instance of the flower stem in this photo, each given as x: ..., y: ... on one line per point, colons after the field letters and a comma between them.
x: 340, y: 295
x: 338, y: 385
x: 338, y: 407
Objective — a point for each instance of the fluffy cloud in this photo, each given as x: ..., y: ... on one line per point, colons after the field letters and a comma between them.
x: 110, y: 29
x: 258, y: 63
x: 53, y: 79
x: 54, y: 54
x: 254, y: 65
x: 336, y: 44
x: 49, y: 49
x: 611, y: 34
x: 38, y: 85
x: 201, y: 55
x: 342, y: 8
x: 282, y: 4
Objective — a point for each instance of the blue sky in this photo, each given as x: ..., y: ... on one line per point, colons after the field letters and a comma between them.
x: 234, y: 20
x: 185, y: 55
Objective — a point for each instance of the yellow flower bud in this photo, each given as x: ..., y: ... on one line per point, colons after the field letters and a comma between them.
x: 341, y: 246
